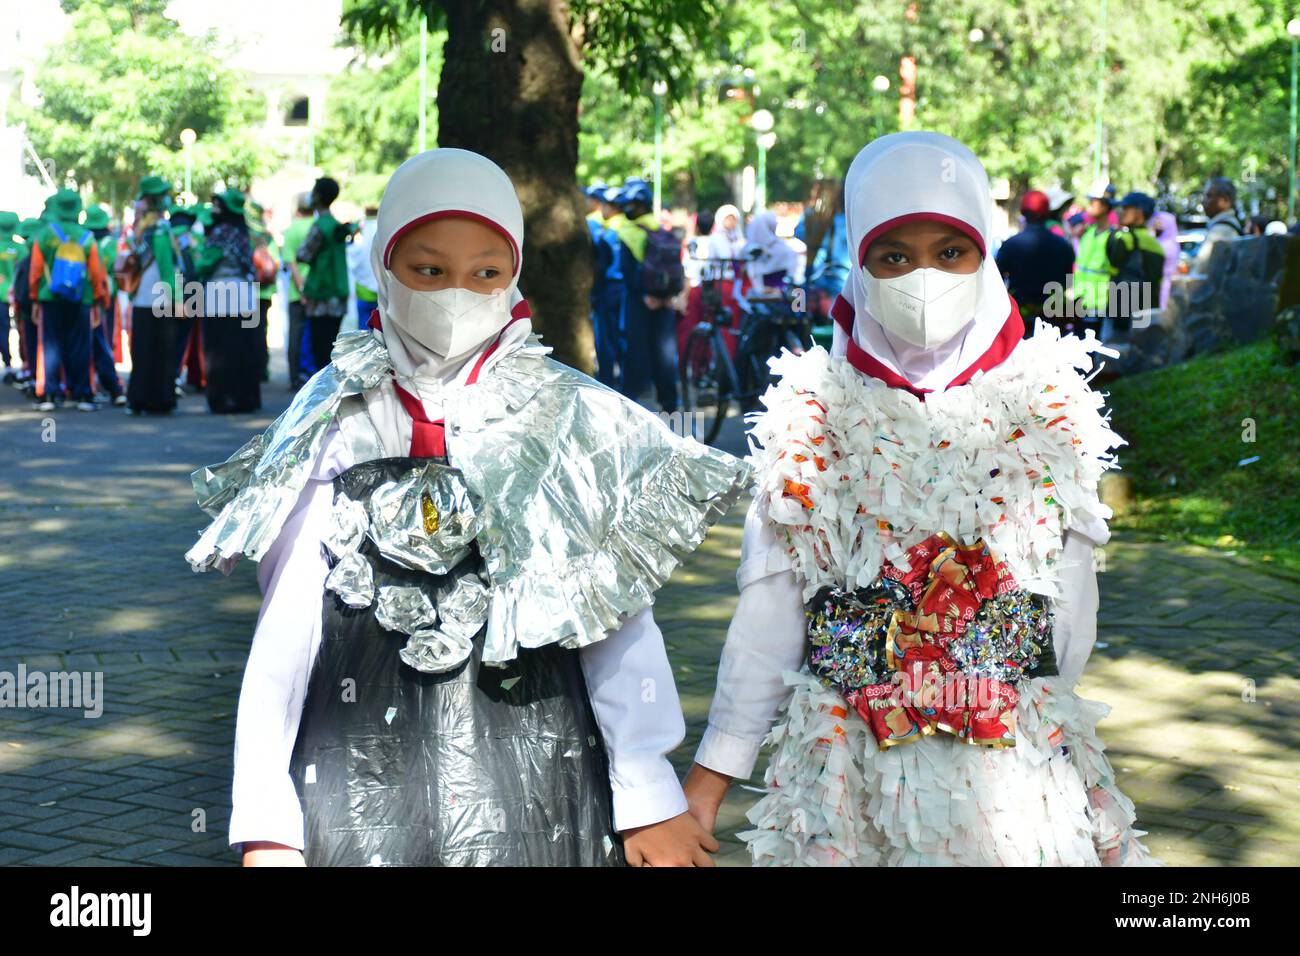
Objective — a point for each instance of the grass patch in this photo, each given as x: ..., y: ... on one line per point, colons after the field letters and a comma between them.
x: 1185, y: 426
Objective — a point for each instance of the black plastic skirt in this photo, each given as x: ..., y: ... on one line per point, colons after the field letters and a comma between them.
x: 480, y: 766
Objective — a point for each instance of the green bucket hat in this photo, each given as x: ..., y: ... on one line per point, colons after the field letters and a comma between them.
x: 154, y: 186
x: 64, y: 206
x: 203, y: 213
x: 28, y: 228
x: 8, y: 223
x: 95, y: 218
x: 233, y: 200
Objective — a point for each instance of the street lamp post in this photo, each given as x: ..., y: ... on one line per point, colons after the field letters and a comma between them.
x: 1101, y: 94
x: 1293, y: 30
x: 424, y: 57
x: 660, y: 88
x: 762, y: 121
x: 188, y: 136
x: 881, y: 85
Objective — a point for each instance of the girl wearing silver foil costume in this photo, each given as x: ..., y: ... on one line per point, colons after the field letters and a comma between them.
x: 459, y: 540
x: 917, y: 592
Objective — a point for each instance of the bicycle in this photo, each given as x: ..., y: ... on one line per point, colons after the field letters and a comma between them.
x: 711, y: 379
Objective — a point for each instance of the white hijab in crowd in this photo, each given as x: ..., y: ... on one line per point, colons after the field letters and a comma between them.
x: 775, y: 254
x: 918, y: 175
x: 439, y: 183
x: 727, y: 243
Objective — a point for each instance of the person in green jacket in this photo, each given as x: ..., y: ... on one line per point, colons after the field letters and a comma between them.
x: 101, y: 330
x: 11, y: 250
x: 70, y: 288
x: 23, y: 317
x: 1092, y: 269
x: 1138, y: 261
x: 296, y: 277
x: 325, y: 291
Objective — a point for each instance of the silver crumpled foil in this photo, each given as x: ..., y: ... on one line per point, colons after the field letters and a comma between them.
x: 587, y: 501
x: 583, y: 501
x: 465, y: 603
x: 251, y: 494
x: 435, y: 650
x: 353, y: 580
x: 404, y: 609
x: 424, y: 520
x: 463, y: 610
x: 347, y: 528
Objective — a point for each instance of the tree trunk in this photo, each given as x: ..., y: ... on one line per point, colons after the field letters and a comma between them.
x: 513, y: 65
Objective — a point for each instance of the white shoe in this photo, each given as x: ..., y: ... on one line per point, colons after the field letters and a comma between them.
x: 119, y: 399
x: 45, y: 406
x: 87, y: 407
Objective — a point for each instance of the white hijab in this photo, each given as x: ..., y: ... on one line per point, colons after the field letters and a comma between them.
x: 775, y: 253
x: 918, y: 175
x: 727, y: 243
x: 429, y: 185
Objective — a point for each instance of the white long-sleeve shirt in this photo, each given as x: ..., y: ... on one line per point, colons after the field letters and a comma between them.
x: 629, y: 681
x: 767, y: 638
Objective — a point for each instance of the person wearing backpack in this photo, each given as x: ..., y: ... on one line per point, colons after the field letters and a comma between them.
x: 651, y: 259
x: 1138, y: 260
x: 611, y: 344
x: 149, y: 274
x: 67, y: 282
x: 325, y: 291
x: 101, y: 332
x: 606, y: 338
x: 188, y: 224
x: 232, y: 356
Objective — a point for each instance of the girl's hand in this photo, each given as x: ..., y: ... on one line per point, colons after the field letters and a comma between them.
x: 265, y: 853
x: 678, y: 841
x: 705, y: 790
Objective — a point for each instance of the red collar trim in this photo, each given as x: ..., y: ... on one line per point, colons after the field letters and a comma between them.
x: 1013, y: 330
x: 964, y: 227
x: 449, y: 214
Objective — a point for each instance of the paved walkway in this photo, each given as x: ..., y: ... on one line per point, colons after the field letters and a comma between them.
x: 1199, y: 659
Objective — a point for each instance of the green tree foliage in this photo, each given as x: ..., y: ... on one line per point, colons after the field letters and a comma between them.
x: 373, y: 112
x: 1193, y: 88
x: 116, y: 93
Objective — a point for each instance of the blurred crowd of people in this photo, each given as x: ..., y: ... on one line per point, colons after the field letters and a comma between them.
x: 1107, y: 263
x: 648, y: 278
x: 190, y: 286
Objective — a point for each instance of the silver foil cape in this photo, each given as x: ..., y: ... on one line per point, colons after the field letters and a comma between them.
x: 251, y: 493
x: 581, y: 501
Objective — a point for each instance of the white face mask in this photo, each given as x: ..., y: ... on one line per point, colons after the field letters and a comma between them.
x: 926, y: 307
x: 449, y: 322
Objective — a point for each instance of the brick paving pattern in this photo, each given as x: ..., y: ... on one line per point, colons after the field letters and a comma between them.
x: 1198, y: 658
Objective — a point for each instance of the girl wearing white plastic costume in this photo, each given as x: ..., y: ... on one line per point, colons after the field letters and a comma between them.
x: 459, y: 541
x: 917, y: 592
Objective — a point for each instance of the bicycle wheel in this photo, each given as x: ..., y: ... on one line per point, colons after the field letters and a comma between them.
x: 705, y: 383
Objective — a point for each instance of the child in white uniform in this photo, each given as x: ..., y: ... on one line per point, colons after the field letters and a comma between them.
x: 917, y: 596
x: 459, y: 542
